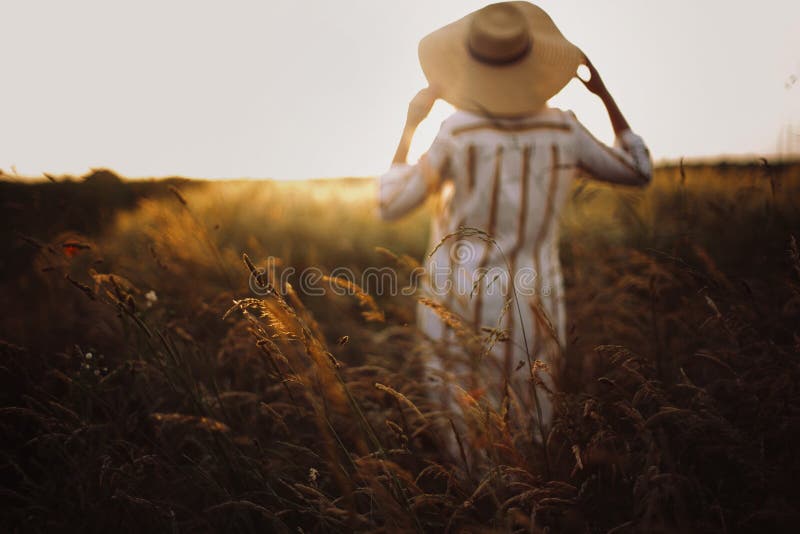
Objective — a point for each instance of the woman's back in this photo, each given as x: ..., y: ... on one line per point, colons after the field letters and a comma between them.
x: 510, y: 176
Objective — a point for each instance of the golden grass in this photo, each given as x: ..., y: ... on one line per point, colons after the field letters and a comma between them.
x: 218, y: 409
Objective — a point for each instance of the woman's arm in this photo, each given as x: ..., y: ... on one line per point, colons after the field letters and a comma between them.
x: 628, y: 162
x: 418, y: 109
x: 596, y: 85
x: 404, y: 187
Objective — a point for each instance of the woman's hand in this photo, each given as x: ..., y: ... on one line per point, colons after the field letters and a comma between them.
x: 418, y: 109
x: 421, y: 105
x: 595, y: 83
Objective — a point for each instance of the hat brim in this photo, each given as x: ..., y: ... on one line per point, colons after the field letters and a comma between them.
x: 512, y: 89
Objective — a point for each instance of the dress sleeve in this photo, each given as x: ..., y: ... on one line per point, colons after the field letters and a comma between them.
x: 404, y: 187
x: 627, y: 162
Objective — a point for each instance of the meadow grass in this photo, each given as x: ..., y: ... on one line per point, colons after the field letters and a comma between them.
x: 148, y: 386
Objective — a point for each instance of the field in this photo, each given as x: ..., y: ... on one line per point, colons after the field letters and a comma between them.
x: 149, y: 383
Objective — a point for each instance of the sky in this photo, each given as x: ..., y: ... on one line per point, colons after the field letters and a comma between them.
x: 288, y: 89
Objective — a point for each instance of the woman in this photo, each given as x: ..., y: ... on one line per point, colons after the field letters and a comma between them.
x: 503, y: 163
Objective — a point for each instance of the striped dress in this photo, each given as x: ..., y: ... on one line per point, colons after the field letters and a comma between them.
x: 509, y: 178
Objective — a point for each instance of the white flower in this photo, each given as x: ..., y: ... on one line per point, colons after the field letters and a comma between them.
x: 151, y: 297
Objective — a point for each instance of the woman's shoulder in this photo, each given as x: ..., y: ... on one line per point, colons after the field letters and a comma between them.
x: 460, y: 118
x: 557, y: 115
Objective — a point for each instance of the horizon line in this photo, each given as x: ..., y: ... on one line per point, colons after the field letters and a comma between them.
x: 735, y: 159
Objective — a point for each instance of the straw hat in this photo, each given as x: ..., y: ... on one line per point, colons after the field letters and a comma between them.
x: 505, y: 59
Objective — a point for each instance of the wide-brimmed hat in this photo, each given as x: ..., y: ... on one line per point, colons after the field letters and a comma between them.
x: 506, y: 59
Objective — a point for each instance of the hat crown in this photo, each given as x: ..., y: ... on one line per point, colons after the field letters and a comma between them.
x: 498, y: 34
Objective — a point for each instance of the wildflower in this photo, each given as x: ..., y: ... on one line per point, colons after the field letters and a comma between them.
x: 151, y: 297
x: 88, y: 356
x: 72, y: 248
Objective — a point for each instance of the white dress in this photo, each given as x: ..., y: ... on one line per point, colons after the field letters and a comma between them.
x: 509, y: 178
